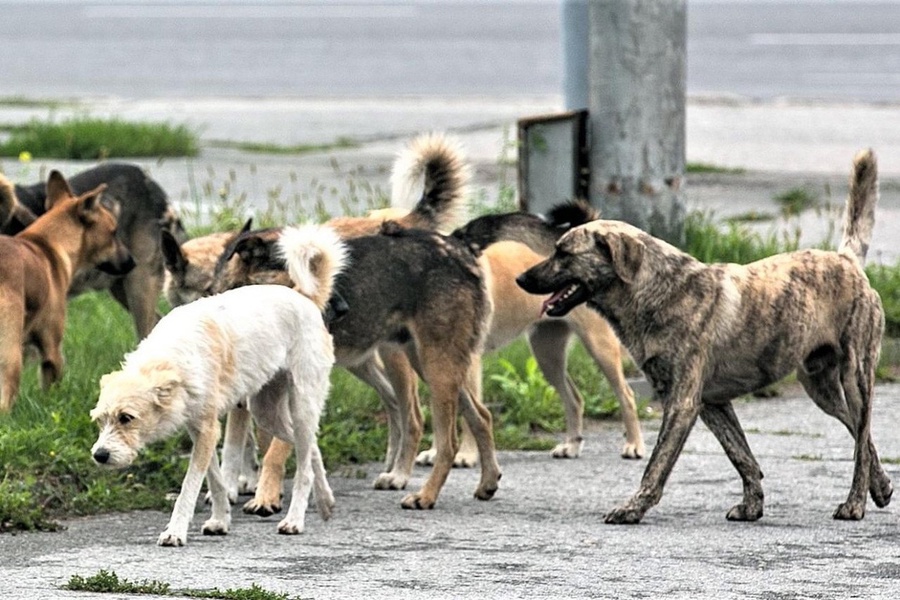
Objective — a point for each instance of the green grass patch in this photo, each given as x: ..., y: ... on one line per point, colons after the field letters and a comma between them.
x: 699, y: 167
x: 90, y: 138
x: 272, y: 148
x: 796, y: 200
x: 107, y: 582
x: 25, y: 102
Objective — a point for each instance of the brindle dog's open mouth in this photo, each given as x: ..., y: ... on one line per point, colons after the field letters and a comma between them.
x: 564, y: 300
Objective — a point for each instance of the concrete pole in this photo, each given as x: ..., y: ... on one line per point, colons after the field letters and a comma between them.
x: 573, y: 17
x: 637, y: 112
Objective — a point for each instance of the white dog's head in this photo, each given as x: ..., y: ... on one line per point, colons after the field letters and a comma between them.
x: 135, y: 409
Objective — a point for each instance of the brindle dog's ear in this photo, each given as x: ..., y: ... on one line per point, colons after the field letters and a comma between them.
x: 89, y: 203
x: 627, y: 254
x: 247, y: 226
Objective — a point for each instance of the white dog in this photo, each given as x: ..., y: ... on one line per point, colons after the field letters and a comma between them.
x: 265, y: 342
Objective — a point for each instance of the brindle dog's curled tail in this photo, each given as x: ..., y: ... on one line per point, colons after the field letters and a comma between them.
x: 434, y: 172
x: 859, y: 219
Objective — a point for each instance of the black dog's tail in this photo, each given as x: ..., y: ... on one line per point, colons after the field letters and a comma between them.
x: 571, y: 214
x: 859, y: 219
x: 434, y: 171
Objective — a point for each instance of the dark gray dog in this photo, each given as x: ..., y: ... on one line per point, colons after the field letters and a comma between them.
x: 143, y: 212
x: 705, y: 334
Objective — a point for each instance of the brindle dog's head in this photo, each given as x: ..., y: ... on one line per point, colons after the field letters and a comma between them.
x: 588, y: 261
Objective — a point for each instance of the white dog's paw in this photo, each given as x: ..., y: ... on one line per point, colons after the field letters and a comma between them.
x: 171, y: 539
x: 568, y: 450
x: 391, y: 481
x: 247, y: 485
x: 215, y: 527
x: 426, y: 457
x: 465, y: 460
x: 634, y: 451
x: 288, y: 527
x: 325, y: 505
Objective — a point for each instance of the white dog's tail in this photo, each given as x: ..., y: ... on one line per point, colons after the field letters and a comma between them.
x: 860, y: 212
x: 314, y: 255
x: 430, y: 177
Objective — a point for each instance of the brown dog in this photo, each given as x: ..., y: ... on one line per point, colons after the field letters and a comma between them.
x: 73, y: 235
x: 706, y: 334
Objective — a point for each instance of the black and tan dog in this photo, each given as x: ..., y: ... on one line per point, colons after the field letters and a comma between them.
x: 76, y: 234
x: 143, y: 212
x: 706, y: 334
x: 413, y: 291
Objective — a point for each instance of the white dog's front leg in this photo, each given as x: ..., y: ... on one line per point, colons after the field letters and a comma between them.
x: 295, y: 519
x: 220, y: 520
x: 201, y: 455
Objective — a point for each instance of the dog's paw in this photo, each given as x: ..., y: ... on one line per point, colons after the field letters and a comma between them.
x: 262, y: 509
x: 486, y: 491
x: 391, y: 481
x: 623, y: 516
x: 567, y: 450
x: 214, y: 527
x: 848, y: 511
x: 465, y: 460
x: 742, y: 512
x: 287, y: 527
x: 170, y: 539
x: 325, y: 506
x: 247, y: 485
x: 881, y: 491
x: 418, y: 501
x: 426, y: 457
x: 633, y: 451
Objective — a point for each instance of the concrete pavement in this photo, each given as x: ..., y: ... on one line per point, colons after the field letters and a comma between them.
x: 542, y: 536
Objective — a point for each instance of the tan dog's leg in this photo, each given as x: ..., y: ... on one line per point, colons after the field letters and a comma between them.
x: 681, y: 406
x: 267, y: 500
x: 204, y: 438
x: 10, y: 363
x: 606, y: 350
x: 49, y: 340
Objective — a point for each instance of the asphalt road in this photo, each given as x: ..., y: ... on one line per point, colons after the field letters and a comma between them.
x: 542, y: 536
x: 765, y: 49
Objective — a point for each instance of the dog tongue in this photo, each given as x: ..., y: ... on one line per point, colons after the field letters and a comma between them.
x: 549, y: 302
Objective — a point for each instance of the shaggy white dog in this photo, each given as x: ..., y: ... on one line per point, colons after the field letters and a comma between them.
x: 267, y: 343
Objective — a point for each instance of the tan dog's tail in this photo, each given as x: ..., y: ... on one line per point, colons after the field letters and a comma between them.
x: 860, y: 212
x: 314, y: 256
x: 434, y: 172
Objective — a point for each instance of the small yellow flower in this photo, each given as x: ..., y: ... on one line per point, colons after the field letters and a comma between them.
x: 25, y: 156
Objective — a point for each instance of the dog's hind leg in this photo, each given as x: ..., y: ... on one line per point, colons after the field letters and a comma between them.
x: 305, y: 406
x: 321, y: 489
x: 267, y: 499
x: 237, y: 429
x: 204, y: 438
x: 604, y: 347
x: 722, y: 421
x: 681, y: 406
x: 220, y: 520
x: 479, y: 419
x: 11, y: 330
x: 49, y: 343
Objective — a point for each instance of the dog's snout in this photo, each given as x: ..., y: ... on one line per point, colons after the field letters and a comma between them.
x: 101, y: 455
x: 522, y: 281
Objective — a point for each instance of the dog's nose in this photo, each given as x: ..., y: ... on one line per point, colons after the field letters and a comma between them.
x: 521, y: 280
x: 101, y: 455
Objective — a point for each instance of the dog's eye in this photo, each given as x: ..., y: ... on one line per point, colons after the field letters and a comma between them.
x: 125, y: 419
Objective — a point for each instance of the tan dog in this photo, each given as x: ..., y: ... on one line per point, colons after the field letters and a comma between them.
x: 75, y: 234
x: 706, y: 334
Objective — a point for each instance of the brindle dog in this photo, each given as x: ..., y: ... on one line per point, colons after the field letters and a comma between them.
x: 706, y: 334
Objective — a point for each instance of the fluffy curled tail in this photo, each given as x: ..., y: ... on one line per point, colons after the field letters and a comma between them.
x: 314, y: 255
x: 571, y: 214
x: 433, y: 172
x: 859, y: 219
